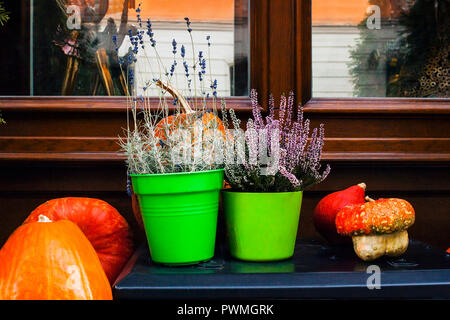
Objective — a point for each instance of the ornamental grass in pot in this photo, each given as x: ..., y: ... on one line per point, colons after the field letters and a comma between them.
x: 274, y: 161
x: 170, y: 144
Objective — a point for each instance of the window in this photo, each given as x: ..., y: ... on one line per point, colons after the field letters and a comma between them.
x: 70, y: 51
x: 380, y: 48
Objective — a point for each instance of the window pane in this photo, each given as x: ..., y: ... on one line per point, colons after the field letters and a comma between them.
x: 381, y: 48
x: 71, y: 51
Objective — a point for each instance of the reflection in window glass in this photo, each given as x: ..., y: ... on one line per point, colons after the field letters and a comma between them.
x: 381, y: 48
x: 71, y: 49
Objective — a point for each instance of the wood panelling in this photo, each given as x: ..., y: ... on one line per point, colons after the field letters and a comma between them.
x: 95, y: 105
x: 333, y: 145
x: 398, y: 106
x: 26, y: 185
x: 386, y: 130
x: 355, y: 130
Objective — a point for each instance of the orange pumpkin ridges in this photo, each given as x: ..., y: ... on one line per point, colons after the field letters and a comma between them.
x: 51, y: 261
x: 108, y: 232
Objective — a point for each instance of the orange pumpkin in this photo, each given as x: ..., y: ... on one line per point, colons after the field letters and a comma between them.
x: 101, y: 223
x: 174, y: 122
x: 179, y: 121
x: 48, y: 260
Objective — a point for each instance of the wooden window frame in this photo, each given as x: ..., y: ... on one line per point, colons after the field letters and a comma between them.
x: 280, y: 61
x: 397, y: 129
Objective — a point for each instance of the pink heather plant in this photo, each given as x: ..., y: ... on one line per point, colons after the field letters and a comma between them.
x: 292, y: 163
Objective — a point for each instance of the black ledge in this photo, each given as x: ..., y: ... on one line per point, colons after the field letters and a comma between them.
x: 316, y: 271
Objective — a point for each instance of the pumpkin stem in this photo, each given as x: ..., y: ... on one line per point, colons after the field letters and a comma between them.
x: 43, y: 218
x: 362, y: 185
x: 174, y: 92
x: 367, y: 198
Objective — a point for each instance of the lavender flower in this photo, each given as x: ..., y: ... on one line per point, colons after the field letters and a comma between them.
x: 174, y: 46
x: 138, y: 15
x: 172, y: 67
x: 114, y: 40
x: 150, y: 33
x: 214, y: 88
x: 188, y: 23
x: 186, y: 68
x: 130, y: 76
x: 202, y: 63
x: 146, y: 151
x: 134, y: 41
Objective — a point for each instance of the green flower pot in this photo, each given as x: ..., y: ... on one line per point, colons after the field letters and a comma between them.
x: 179, y: 212
x: 262, y: 226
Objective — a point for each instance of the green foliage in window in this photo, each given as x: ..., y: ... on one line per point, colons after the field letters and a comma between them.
x: 408, y: 56
x: 4, y: 15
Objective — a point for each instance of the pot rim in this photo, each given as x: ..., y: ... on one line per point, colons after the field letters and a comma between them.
x: 265, y: 193
x: 175, y: 173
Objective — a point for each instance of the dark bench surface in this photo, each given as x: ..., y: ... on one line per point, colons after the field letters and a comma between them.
x: 315, y: 271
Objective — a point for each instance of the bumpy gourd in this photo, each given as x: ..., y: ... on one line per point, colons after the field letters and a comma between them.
x: 377, y: 227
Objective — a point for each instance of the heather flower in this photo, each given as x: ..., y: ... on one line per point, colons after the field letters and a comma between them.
x: 278, y: 156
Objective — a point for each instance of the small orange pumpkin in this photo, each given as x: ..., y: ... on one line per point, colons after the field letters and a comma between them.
x: 173, y: 122
x: 48, y: 260
x: 179, y: 121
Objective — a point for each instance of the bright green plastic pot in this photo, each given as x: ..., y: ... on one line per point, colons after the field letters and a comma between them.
x: 262, y: 226
x: 179, y: 211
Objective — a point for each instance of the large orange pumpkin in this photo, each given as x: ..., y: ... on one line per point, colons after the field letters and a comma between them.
x: 48, y: 260
x: 102, y: 224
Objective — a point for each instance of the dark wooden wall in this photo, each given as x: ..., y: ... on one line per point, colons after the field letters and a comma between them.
x: 74, y: 152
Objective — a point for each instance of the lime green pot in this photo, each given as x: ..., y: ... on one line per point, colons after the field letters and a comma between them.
x: 262, y: 226
x: 179, y: 212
